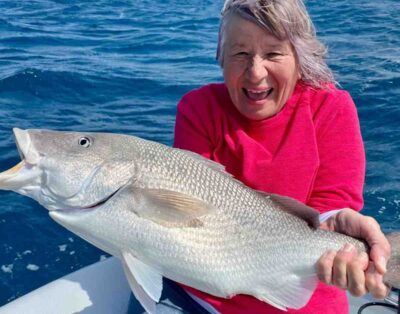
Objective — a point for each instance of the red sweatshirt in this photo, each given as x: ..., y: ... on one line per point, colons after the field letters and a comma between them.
x: 311, y: 150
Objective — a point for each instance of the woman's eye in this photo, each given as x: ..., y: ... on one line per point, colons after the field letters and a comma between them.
x: 85, y: 142
x: 272, y: 55
x: 241, y: 54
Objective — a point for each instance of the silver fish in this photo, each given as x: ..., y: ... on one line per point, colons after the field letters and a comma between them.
x: 169, y: 212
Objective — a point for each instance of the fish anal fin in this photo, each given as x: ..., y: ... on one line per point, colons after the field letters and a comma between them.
x: 145, y: 283
x: 296, y: 208
x: 170, y: 208
x: 294, y: 292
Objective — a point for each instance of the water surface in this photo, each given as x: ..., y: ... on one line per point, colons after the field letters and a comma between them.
x: 121, y: 66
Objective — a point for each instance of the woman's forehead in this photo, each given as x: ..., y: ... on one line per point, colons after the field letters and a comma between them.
x: 236, y: 44
x: 241, y: 33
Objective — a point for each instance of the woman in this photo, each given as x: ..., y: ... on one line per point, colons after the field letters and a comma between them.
x: 279, y: 124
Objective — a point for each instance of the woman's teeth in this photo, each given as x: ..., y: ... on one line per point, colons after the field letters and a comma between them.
x: 257, y: 94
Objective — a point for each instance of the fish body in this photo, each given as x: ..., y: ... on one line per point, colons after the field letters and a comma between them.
x: 169, y: 212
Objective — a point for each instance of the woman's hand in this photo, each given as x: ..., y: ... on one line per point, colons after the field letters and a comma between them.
x: 346, y: 268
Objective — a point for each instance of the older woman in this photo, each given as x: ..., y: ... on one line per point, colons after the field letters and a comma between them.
x: 279, y: 124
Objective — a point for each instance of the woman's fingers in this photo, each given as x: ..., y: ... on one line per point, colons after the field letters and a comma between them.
x: 374, y: 283
x: 345, y: 269
x: 343, y: 258
x: 363, y: 227
x: 324, y: 267
x: 379, y: 254
x: 379, y: 245
x: 356, y: 277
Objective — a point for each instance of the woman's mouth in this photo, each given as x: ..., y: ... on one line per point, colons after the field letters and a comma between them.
x: 257, y: 95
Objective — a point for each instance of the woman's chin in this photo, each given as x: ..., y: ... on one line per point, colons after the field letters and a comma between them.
x: 258, y: 110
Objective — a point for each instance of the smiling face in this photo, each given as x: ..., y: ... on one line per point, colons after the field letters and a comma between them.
x: 260, y: 70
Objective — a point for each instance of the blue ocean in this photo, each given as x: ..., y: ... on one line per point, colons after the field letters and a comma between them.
x: 121, y: 66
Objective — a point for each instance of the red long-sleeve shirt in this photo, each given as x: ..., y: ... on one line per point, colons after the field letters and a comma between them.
x: 311, y: 150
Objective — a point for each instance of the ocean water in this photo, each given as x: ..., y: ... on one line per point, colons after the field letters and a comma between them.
x: 121, y: 66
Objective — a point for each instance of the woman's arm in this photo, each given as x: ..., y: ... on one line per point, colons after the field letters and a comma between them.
x: 339, y: 184
x: 340, y: 177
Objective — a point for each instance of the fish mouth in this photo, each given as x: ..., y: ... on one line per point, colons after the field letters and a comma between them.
x: 25, y: 171
x: 25, y: 147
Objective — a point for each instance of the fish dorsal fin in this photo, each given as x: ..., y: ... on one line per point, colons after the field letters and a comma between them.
x: 296, y: 208
x: 208, y: 162
x: 146, y: 284
x: 170, y: 208
x: 294, y: 292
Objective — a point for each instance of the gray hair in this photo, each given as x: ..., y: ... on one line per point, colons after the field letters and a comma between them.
x: 284, y: 19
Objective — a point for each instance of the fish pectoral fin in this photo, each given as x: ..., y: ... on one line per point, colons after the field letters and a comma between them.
x: 170, y: 208
x: 293, y: 292
x: 146, y: 284
x: 296, y: 208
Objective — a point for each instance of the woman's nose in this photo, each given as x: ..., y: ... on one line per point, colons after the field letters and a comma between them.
x: 257, y: 69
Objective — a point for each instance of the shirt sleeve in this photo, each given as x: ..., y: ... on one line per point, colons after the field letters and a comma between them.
x: 340, y: 177
x: 191, y: 129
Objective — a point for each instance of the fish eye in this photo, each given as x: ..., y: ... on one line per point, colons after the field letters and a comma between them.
x: 85, y: 142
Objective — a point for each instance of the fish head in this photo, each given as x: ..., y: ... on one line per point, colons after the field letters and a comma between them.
x: 67, y: 170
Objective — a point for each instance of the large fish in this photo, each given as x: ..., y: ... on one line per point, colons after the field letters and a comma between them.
x: 169, y: 212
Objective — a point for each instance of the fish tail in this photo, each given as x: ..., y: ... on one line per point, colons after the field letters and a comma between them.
x: 392, y: 276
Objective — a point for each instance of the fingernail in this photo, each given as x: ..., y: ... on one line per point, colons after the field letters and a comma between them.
x: 331, y: 253
x: 348, y: 248
x: 324, y: 255
x: 382, y: 263
x: 371, y: 268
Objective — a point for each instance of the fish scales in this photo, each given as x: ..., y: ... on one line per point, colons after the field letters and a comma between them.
x: 165, y: 174
x: 255, y: 242
x: 168, y: 212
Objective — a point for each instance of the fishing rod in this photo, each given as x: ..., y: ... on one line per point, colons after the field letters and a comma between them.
x: 392, y: 302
